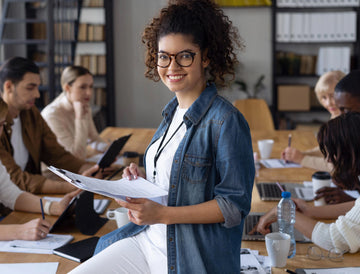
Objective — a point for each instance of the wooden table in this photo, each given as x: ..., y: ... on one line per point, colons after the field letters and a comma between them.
x: 139, y: 141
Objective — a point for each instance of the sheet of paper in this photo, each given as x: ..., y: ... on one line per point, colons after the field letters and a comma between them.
x: 249, y: 262
x: 339, y: 270
x: 99, y: 204
x: 29, y: 268
x: 120, y: 189
x: 43, y: 246
x: 278, y: 163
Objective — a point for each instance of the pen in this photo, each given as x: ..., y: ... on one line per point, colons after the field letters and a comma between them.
x: 289, y: 144
x: 289, y: 271
x: 289, y: 140
x: 42, y: 209
x: 278, y: 184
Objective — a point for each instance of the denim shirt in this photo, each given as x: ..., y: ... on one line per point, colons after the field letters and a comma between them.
x: 213, y: 161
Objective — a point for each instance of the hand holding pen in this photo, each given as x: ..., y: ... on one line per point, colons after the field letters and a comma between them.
x: 291, y: 154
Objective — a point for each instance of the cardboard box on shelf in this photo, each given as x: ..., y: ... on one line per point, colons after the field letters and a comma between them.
x: 293, y: 97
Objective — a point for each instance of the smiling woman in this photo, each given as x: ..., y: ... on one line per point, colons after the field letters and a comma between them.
x: 190, y: 47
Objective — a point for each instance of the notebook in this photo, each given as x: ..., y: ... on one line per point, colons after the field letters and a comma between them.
x: 79, y: 251
x: 253, y: 218
x: 269, y: 191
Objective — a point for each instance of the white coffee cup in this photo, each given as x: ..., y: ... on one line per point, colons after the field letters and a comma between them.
x: 320, y: 179
x: 265, y: 148
x: 119, y: 214
x: 277, y: 246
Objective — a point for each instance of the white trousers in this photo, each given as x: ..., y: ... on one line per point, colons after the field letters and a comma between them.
x: 125, y: 256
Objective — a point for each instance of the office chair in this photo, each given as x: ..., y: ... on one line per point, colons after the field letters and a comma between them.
x: 256, y: 113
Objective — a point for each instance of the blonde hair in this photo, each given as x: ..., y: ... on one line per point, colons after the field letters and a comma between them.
x: 328, y: 82
x: 3, y: 108
x: 71, y: 73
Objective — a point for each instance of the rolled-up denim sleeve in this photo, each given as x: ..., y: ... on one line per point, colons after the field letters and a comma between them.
x: 231, y: 213
x: 235, y: 165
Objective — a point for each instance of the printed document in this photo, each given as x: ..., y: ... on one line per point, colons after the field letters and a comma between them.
x: 120, y: 189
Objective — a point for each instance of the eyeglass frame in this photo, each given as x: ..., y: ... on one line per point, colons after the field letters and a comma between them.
x: 333, y: 250
x: 192, y: 54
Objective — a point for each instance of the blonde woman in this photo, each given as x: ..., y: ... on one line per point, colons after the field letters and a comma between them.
x: 324, y: 90
x: 69, y: 115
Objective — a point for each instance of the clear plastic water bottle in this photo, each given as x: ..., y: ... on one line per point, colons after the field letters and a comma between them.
x: 286, y: 219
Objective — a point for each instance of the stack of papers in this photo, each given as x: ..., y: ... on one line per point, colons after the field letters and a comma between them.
x: 252, y: 262
x: 120, y: 189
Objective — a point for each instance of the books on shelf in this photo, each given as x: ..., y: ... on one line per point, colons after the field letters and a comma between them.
x: 290, y: 63
x: 316, y: 27
x: 91, y: 32
x: 333, y: 58
x: 93, y: 3
x: 95, y: 63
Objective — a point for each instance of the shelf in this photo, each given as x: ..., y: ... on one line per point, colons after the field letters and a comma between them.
x: 23, y: 41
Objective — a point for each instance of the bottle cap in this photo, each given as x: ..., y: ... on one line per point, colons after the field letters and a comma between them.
x: 285, y: 194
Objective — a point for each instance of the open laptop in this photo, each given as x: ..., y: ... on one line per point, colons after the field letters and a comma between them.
x: 253, y: 218
x: 269, y: 191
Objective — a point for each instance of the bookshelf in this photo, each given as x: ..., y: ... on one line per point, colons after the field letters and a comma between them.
x: 44, y: 31
x: 50, y: 33
x: 309, y: 38
x: 94, y: 50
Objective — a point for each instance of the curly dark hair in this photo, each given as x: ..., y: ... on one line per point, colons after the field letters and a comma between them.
x: 209, y: 28
x: 339, y: 141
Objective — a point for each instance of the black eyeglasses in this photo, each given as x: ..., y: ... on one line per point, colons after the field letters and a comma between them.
x: 183, y: 59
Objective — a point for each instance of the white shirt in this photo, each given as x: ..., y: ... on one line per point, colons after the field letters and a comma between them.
x: 21, y: 154
x: 155, y: 236
x: 9, y: 192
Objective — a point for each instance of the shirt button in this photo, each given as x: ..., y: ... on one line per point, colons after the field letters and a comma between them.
x: 176, y: 161
x: 172, y: 268
x: 172, y: 186
x: 170, y: 239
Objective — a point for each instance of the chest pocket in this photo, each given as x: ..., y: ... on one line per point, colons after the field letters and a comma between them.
x: 195, y: 169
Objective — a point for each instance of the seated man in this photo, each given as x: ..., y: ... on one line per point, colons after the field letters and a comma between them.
x: 27, y: 140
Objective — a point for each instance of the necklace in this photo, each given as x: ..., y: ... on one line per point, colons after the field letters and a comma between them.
x: 161, y: 147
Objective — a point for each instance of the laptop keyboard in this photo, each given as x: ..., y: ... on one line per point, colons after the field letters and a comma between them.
x: 250, y: 222
x: 269, y: 190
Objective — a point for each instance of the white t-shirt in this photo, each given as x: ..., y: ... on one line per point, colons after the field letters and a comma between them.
x: 9, y: 192
x: 21, y: 154
x: 155, y: 236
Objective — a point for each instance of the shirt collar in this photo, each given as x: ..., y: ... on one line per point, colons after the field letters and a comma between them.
x: 197, y: 110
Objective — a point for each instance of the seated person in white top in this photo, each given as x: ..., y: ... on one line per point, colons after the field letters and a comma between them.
x: 339, y: 141
x: 69, y: 115
x: 324, y: 90
x: 14, y: 198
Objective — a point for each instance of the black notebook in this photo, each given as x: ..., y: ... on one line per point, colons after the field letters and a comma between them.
x: 79, y: 251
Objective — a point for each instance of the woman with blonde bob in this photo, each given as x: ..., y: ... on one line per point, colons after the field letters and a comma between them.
x: 69, y: 115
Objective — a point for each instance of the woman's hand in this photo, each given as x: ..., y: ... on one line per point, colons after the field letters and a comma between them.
x: 292, y: 154
x: 33, y: 230
x: 143, y: 211
x: 133, y: 171
x: 57, y: 208
x: 80, y: 109
x: 266, y: 220
x: 302, y: 206
x: 333, y: 195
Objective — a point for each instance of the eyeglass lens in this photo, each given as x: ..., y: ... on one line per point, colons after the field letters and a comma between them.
x: 183, y: 59
x: 334, y: 254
